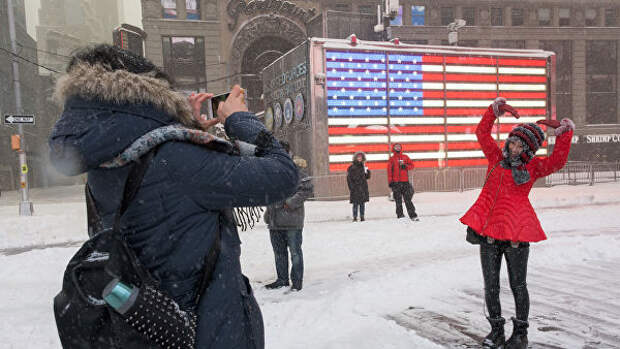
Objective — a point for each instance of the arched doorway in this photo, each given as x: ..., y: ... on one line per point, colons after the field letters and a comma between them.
x: 257, y: 44
x: 256, y: 57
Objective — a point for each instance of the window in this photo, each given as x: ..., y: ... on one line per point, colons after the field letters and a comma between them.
x: 469, y: 15
x: 564, y: 17
x: 193, y: 9
x: 184, y: 61
x: 418, y: 15
x: 497, y: 16
x: 468, y: 43
x: 398, y: 20
x: 610, y: 17
x: 367, y: 9
x: 516, y: 15
x: 564, y: 75
x: 518, y: 44
x: 447, y: 15
x: 342, y: 7
x: 544, y: 17
x: 590, y: 17
x: 601, y: 82
x: 169, y: 8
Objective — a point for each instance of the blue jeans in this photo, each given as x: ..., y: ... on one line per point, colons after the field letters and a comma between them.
x: 280, y: 240
x: 362, y: 208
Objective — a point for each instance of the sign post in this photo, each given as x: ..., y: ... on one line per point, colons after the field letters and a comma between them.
x: 25, y: 206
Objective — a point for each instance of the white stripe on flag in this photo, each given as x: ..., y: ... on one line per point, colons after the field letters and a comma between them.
x: 349, y: 157
x: 470, y: 69
x: 471, y: 87
x: 461, y: 137
x: 417, y: 138
x: 432, y: 103
x: 432, y: 85
x: 522, y: 87
x: 427, y: 155
x: 505, y: 120
x: 523, y: 71
x: 465, y: 154
x: 482, y: 103
x: 355, y: 121
x: 357, y: 139
x: 418, y: 120
x: 432, y: 68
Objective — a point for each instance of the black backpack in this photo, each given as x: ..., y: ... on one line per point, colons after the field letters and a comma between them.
x: 85, y: 320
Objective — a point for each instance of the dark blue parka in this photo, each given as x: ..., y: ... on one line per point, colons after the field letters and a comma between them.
x: 171, y: 224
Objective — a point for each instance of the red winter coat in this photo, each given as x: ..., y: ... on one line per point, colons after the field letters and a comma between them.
x: 395, y: 173
x: 503, y: 210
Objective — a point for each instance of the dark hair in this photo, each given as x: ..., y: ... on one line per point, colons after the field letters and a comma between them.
x: 286, y: 146
x: 113, y: 58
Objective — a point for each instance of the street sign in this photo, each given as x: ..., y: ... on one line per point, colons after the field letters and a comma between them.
x: 19, y: 119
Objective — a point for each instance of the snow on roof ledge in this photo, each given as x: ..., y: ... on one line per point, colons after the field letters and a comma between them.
x: 404, y: 47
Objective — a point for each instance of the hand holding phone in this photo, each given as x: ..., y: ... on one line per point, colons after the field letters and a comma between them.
x: 234, y: 102
x: 195, y: 101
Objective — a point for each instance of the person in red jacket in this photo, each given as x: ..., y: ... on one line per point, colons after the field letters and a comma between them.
x: 398, y: 179
x: 503, y: 221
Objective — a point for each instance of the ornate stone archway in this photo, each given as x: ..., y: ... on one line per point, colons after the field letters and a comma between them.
x: 256, y: 44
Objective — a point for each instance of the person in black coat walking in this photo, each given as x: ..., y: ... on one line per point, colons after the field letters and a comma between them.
x: 357, y: 180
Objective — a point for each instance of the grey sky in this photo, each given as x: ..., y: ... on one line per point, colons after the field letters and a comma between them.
x: 130, y: 13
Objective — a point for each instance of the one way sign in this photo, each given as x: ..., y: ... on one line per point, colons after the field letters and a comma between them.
x: 19, y: 119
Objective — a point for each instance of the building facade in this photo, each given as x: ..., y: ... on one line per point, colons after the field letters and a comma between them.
x: 65, y: 25
x: 211, y: 44
x: 215, y: 43
x: 34, y: 92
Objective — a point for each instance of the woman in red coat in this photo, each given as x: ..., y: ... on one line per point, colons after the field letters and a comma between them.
x: 503, y: 221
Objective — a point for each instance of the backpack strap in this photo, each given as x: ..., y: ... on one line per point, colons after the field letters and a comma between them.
x: 132, y: 185
x: 95, y: 224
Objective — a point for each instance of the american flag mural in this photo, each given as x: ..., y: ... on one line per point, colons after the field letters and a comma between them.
x: 429, y: 103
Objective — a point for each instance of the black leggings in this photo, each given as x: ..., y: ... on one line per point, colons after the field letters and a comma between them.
x: 516, y: 258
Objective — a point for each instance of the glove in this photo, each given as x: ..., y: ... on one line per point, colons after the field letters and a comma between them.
x: 565, y: 126
x: 391, y: 185
x: 500, y: 107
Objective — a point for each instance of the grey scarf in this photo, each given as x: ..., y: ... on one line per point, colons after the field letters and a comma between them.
x: 520, y: 174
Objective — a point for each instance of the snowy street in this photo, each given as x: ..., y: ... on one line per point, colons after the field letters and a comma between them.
x: 383, y: 283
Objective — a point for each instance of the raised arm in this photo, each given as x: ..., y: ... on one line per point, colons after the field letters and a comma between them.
x: 217, y: 180
x: 559, y: 156
x: 483, y: 131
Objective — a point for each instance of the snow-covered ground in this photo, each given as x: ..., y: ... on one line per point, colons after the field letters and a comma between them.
x: 383, y: 283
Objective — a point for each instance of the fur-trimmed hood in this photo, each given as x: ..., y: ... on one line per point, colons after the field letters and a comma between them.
x: 106, y: 111
x: 359, y: 153
x: 122, y: 87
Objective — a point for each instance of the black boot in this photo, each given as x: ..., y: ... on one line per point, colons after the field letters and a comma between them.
x: 354, y: 219
x: 277, y: 284
x: 362, y: 218
x: 297, y: 285
x: 518, y: 340
x: 496, y: 338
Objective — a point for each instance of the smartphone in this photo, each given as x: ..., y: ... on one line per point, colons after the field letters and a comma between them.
x: 215, y: 103
x: 216, y: 100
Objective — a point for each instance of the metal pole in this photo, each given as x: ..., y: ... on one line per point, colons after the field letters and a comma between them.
x: 25, y: 206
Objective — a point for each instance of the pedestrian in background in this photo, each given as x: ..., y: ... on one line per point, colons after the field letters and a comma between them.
x: 357, y: 180
x: 285, y: 220
x: 398, y: 168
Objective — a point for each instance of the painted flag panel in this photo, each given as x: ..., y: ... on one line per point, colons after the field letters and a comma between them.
x: 430, y: 104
